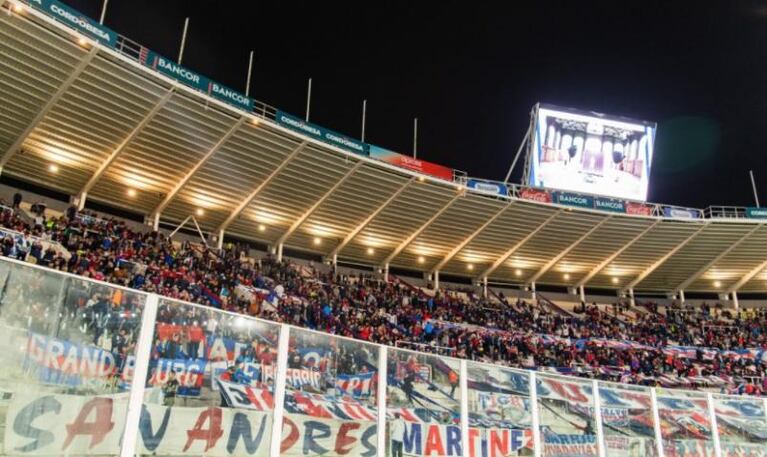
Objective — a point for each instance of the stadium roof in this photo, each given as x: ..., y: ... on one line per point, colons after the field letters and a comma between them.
x: 90, y: 120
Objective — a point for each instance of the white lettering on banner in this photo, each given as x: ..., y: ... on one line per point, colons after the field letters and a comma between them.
x: 229, y: 93
x: 295, y: 377
x: 301, y: 126
x: 178, y: 70
x: 344, y: 141
x: 68, y: 358
x: 81, y: 22
x: 573, y: 199
x: 71, y: 425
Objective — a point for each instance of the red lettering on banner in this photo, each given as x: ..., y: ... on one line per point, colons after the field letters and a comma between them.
x: 499, y: 443
x: 343, y: 440
x: 98, y: 428
x: 434, y: 442
x: 473, y: 435
x: 211, y: 435
x: 292, y: 437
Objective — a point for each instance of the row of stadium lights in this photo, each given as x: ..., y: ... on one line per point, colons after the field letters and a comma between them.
x: 370, y: 251
x: 53, y: 168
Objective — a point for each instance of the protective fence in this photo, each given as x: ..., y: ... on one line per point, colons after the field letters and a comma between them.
x: 92, y: 369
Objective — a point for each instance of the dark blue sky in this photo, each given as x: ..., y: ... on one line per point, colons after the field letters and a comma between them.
x: 470, y: 71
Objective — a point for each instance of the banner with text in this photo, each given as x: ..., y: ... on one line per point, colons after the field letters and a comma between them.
x: 536, y: 195
x: 570, y: 199
x: 321, y: 133
x: 411, y: 163
x: 76, y: 20
x: 756, y: 213
x: 195, y: 80
x: 488, y: 187
x: 47, y: 425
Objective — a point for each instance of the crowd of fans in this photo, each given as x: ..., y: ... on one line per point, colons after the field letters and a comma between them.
x: 512, y: 332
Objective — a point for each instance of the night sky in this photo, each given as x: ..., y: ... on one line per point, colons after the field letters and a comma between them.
x: 471, y: 71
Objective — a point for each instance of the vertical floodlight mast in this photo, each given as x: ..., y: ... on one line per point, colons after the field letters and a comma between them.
x: 753, y: 186
x: 103, y: 12
x: 183, y: 41
x: 250, y: 72
x: 415, y: 138
x: 308, y: 99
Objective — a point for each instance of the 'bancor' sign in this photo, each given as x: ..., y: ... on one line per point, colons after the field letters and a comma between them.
x: 566, y: 198
x: 193, y: 79
x: 609, y: 204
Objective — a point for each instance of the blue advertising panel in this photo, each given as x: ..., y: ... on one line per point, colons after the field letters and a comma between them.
x: 184, y: 75
x: 77, y: 20
x: 610, y: 204
x: 756, y: 213
x: 321, y: 133
x: 566, y: 198
x: 680, y: 213
x: 488, y: 187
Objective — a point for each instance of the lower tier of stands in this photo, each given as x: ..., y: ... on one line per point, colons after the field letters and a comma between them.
x: 216, y: 383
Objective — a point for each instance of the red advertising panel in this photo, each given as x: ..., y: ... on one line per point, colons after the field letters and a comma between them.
x: 421, y: 166
x: 638, y: 209
x: 537, y: 195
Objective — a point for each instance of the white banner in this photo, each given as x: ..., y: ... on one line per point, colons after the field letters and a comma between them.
x: 53, y: 425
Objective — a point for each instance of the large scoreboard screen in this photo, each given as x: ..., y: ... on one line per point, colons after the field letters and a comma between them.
x: 590, y: 152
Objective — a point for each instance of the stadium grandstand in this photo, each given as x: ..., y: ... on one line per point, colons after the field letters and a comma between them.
x: 283, y: 273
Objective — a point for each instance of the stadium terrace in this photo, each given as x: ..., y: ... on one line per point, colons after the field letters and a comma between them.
x: 257, y: 284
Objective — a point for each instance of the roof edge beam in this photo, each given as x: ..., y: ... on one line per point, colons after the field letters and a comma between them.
x: 567, y: 250
x: 663, y: 259
x: 420, y: 230
x: 317, y: 204
x: 471, y: 237
x: 252, y: 196
x: 78, y: 70
x: 123, y: 145
x: 180, y: 185
x: 361, y: 226
x: 505, y: 256
x: 686, y: 283
x: 615, y: 255
x: 748, y: 277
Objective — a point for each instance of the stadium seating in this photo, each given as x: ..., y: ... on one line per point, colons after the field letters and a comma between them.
x: 683, y: 347
x: 72, y: 348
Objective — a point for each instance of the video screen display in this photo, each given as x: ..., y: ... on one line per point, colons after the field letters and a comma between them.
x: 591, y: 153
